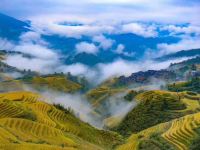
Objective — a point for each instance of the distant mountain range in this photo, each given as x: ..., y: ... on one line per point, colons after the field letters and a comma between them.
x: 11, y: 29
x: 175, y: 72
x: 183, y: 53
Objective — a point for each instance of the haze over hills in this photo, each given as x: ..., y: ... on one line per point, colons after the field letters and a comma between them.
x: 111, y: 106
x: 99, y: 75
x: 183, y: 53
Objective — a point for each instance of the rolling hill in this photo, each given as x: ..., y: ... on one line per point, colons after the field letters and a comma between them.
x: 161, y: 120
x: 26, y: 122
x: 55, y: 82
x: 192, y: 85
x: 180, y: 54
x: 156, y: 107
x: 178, y: 134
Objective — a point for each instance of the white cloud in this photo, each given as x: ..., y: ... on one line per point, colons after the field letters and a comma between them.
x: 43, y: 59
x: 75, y: 69
x: 121, y: 50
x: 30, y: 43
x: 89, y: 48
x: 36, y: 51
x: 122, y: 67
x: 52, y: 26
x: 77, y: 102
x: 32, y: 37
x: 117, y: 68
x: 174, y: 29
x: 104, y: 42
x: 140, y: 29
x: 35, y: 64
x: 185, y: 44
x: 5, y: 44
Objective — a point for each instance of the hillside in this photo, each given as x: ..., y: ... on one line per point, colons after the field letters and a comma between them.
x: 11, y: 71
x: 155, y: 121
x: 186, y: 63
x: 156, y: 107
x: 59, y: 83
x: 26, y: 122
x: 175, y: 72
x: 178, y: 134
x: 192, y: 85
x: 180, y: 54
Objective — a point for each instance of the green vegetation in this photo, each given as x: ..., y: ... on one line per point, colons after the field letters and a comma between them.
x: 155, y: 143
x: 161, y: 120
x: 195, y: 144
x: 131, y: 94
x: 66, y: 110
x: 11, y: 85
x: 193, y: 85
x: 154, y: 107
x: 177, y: 134
x: 54, y: 82
x: 99, y: 95
x: 58, y: 83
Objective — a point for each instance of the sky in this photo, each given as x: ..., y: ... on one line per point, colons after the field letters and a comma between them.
x: 98, y: 20
x: 167, y: 11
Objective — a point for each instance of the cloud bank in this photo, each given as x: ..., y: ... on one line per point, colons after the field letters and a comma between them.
x: 86, y: 47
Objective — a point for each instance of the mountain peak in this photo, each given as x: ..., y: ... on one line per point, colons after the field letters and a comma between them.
x: 11, y: 28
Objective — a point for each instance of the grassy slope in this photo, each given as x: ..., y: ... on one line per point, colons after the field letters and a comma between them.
x: 5, y: 77
x: 27, y: 123
x: 57, y: 83
x: 98, y: 95
x: 156, y: 107
x: 176, y: 134
x: 193, y: 85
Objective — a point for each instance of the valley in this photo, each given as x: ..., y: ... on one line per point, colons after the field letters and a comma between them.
x: 130, y: 113
x: 99, y: 75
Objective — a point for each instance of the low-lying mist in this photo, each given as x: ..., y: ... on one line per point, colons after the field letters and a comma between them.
x: 77, y: 102
x: 117, y: 106
x: 114, y: 106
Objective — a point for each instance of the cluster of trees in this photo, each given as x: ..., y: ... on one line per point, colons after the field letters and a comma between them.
x: 154, y: 109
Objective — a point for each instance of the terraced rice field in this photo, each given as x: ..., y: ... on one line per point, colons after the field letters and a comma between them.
x: 182, y: 131
x: 179, y: 133
x: 28, y: 123
x: 59, y: 83
x: 97, y: 96
x: 134, y: 140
